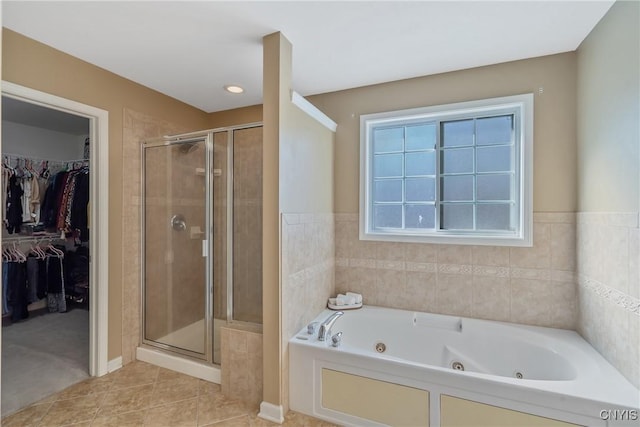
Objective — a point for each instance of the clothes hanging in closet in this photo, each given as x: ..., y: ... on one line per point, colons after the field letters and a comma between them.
x: 33, y: 278
x: 64, y: 206
x: 14, y: 205
x: 16, y: 290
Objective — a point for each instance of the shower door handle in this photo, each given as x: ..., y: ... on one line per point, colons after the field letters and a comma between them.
x: 205, y: 248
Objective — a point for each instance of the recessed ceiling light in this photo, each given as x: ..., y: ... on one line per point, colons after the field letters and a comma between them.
x: 233, y: 89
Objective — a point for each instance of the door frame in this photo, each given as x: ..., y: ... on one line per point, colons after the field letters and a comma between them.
x: 169, y: 141
x: 99, y: 230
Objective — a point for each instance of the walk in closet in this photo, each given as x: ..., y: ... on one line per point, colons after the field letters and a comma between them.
x: 46, y: 206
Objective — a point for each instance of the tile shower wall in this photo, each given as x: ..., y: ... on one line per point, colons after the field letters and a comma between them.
x: 534, y: 286
x: 241, y: 364
x: 136, y: 127
x: 247, y: 225
x: 307, y: 276
x: 608, y: 247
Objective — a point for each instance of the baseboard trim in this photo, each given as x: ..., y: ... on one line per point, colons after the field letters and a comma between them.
x: 179, y: 364
x: 271, y: 412
x: 114, y: 364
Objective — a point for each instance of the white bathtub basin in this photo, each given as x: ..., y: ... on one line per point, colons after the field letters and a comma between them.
x: 551, y: 372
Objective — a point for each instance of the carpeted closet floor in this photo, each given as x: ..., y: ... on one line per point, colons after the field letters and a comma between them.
x: 43, y: 355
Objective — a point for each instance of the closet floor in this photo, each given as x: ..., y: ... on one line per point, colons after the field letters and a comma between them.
x: 141, y: 394
x: 43, y: 355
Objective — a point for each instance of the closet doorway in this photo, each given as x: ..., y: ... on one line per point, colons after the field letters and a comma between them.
x: 55, y: 212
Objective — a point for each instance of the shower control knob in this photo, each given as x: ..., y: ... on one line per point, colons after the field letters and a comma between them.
x: 336, y: 339
x: 311, y: 328
x: 178, y: 222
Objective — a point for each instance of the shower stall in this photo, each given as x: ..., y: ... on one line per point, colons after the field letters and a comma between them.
x: 201, y: 238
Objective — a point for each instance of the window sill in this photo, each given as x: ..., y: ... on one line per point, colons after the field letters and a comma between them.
x: 450, y: 239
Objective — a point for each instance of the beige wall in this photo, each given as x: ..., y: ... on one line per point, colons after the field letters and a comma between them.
x: 608, y: 108
x: 37, y: 66
x: 297, y: 190
x: 608, y: 237
x: 554, y: 120
x: 276, y: 55
x: 237, y: 116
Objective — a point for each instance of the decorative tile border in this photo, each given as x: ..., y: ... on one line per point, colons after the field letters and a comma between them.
x: 620, y: 299
x: 530, y: 273
x: 492, y: 271
x: 424, y: 267
x: 462, y: 269
x: 455, y: 269
x: 616, y: 219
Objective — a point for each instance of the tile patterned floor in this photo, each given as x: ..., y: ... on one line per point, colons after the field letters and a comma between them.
x: 141, y: 394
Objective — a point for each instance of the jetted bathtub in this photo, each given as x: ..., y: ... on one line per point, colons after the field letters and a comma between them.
x: 396, y: 367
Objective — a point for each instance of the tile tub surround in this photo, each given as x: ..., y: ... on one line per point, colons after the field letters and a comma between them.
x: 241, y: 364
x: 308, y: 272
x: 141, y: 394
x: 534, y: 286
x: 608, y: 248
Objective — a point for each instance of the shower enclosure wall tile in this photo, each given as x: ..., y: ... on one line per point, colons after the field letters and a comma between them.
x: 241, y: 365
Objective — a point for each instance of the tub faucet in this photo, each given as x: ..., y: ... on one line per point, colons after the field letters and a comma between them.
x: 325, y: 327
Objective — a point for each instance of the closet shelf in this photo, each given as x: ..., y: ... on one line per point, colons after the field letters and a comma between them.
x: 31, y: 239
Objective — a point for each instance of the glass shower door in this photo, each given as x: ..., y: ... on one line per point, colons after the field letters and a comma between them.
x: 176, y: 246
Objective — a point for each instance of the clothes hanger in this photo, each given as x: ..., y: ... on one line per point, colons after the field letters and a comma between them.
x: 56, y: 251
x: 5, y: 255
x: 21, y: 256
x: 36, y: 251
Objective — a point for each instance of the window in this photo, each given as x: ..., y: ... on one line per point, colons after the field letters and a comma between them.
x: 457, y: 173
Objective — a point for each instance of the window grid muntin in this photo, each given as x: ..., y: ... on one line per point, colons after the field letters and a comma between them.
x: 404, y: 202
x: 520, y: 180
x: 474, y: 173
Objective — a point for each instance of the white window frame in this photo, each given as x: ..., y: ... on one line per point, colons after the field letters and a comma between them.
x: 523, y: 104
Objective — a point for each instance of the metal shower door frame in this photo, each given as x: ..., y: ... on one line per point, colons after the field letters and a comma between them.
x: 196, y: 137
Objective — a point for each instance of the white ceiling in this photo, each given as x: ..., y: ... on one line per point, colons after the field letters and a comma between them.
x: 190, y: 50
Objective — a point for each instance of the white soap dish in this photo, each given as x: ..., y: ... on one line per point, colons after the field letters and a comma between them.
x: 344, y: 307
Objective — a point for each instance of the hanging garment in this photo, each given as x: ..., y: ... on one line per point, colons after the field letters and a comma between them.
x: 5, y: 287
x: 17, y: 291
x: 6, y: 174
x: 14, y: 205
x: 76, y: 269
x: 26, y: 199
x: 79, y: 206
x: 32, y: 278
x: 41, y: 290
x: 48, y: 209
x: 63, y: 200
x: 55, y: 285
x: 34, y: 206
